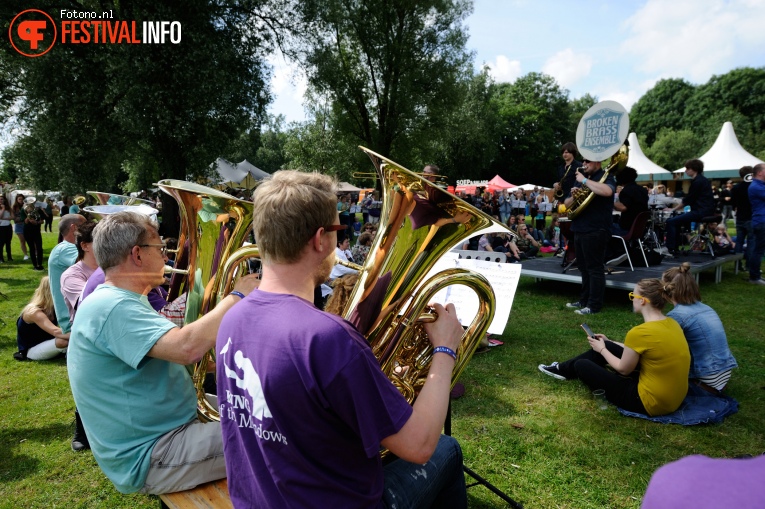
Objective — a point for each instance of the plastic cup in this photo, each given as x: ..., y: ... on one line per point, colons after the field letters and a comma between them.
x: 600, y: 399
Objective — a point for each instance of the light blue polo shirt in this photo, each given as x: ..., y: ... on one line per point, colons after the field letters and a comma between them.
x: 126, y: 400
x: 63, y: 256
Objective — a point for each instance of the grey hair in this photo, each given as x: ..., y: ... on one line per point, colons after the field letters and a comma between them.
x: 116, y: 235
x: 67, y: 221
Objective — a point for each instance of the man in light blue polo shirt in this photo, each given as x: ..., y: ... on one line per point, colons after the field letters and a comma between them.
x: 63, y: 256
x: 127, y: 368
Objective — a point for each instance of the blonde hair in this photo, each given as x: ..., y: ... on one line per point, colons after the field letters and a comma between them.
x: 682, y: 286
x: 288, y: 210
x: 42, y: 300
x: 342, y: 288
x: 655, y: 291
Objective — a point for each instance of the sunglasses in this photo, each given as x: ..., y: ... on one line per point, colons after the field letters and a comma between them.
x: 334, y: 227
x: 633, y: 297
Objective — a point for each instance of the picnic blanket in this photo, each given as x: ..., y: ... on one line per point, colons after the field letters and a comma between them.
x: 698, y: 407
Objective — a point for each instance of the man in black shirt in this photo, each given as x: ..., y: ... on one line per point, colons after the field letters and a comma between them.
x: 740, y: 203
x: 592, y: 228
x: 633, y: 199
x: 699, y: 198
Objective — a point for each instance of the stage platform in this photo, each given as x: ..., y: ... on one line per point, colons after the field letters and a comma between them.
x: 622, y: 277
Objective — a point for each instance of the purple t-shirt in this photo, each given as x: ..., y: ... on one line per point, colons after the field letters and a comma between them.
x: 701, y: 482
x: 303, y: 405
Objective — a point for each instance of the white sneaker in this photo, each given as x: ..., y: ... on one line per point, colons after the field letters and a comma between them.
x: 26, y: 257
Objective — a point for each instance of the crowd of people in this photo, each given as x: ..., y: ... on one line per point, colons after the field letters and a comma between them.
x: 317, y: 375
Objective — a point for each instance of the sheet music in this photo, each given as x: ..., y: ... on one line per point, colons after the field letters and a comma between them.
x: 503, y: 278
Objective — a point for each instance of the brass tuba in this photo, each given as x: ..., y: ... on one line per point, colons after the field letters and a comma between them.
x: 419, y: 223
x: 214, y: 227
x: 583, y: 196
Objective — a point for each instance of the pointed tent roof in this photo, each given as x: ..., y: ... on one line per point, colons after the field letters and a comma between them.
x: 499, y: 183
x: 229, y: 172
x: 253, y: 170
x: 726, y: 156
x: 646, y: 169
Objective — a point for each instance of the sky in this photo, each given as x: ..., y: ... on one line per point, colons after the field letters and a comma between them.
x: 613, y: 49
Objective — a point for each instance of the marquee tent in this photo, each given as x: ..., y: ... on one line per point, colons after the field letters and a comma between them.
x: 725, y: 157
x: 345, y: 187
x: 530, y: 187
x: 253, y: 176
x: 498, y: 183
x: 647, y: 170
x: 228, y: 172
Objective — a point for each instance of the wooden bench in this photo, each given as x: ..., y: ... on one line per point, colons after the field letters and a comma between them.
x: 205, y: 496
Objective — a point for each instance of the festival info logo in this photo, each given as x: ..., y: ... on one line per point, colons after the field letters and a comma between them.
x: 32, y: 33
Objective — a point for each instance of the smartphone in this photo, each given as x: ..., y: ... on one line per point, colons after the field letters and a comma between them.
x: 586, y: 329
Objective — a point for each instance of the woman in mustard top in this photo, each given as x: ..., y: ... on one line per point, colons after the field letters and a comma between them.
x: 657, y: 347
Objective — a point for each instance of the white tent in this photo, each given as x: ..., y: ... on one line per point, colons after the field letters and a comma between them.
x: 726, y: 156
x: 228, y: 172
x: 646, y: 169
x: 253, y: 170
x: 345, y: 187
x: 530, y: 187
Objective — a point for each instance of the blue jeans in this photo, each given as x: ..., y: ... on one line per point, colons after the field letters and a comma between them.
x: 744, y: 235
x: 591, y: 259
x: 673, y: 223
x: 439, y: 483
x: 755, y: 261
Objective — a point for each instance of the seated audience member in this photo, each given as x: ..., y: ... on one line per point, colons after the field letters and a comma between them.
x: 342, y: 252
x: 361, y: 249
x: 657, y: 345
x: 527, y: 246
x: 552, y: 234
x: 723, y: 243
x: 342, y: 288
x: 536, y: 233
x: 74, y: 278
x: 711, y: 358
x: 512, y: 222
x: 701, y: 482
x: 37, y: 335
x: 318, y: 406
x: 127, y: 369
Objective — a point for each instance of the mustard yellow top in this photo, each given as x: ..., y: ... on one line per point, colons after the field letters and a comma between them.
x: 664, y: 364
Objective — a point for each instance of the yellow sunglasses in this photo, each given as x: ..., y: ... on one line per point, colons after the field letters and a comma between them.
x: 633, y: 297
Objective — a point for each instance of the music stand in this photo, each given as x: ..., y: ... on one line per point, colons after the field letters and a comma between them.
x: 478, y: 479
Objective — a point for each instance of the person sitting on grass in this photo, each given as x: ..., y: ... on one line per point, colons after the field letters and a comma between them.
x: 658, y: 346
x: 38, y: 336
x: 711, y: 359
x: 527, y: 245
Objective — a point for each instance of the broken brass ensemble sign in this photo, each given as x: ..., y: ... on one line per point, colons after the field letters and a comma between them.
x: 602, y: 130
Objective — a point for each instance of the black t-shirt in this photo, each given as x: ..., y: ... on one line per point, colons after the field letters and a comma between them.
x: 700, y: 196
x: 597, y: 215
x: 740, y: 201
x: 635, y: 198
x: 570, y: 180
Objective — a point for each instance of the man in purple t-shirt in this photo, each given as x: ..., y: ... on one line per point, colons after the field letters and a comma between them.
x: 304, y: 405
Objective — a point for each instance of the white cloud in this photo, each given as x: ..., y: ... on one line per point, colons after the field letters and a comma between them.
x: 612, y: 92
x: 505, y: 70
x: 288, y: 85
x: 568, y: 67
x: 693, y: 38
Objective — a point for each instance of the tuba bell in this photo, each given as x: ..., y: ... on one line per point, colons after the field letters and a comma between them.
x: 214, y: 227
x: 419, y: 223
x: 601, y: 133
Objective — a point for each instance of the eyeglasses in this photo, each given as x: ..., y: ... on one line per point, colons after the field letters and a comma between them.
x: 335, y: 227
x: 633, y: 297
x: 162, y: 247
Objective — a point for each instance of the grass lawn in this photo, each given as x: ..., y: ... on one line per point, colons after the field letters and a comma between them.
x: 540, y: 440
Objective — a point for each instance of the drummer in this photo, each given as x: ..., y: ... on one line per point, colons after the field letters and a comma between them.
x: 633, y: 199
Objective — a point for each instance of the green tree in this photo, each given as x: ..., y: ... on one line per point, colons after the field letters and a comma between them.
x: 664, y: 106
x: 535, y: 120
x: 390, y: 68
x: 673, y: 147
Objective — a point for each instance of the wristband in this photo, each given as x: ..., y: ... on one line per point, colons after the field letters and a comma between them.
x: 446, y: 350
x: 584, y: 182
x: 238, y: 294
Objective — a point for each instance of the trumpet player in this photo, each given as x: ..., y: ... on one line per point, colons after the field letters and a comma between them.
x: 592, y: 230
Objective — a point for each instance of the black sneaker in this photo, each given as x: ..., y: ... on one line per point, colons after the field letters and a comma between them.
x: 552, y: 370
x: 20, y: 356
